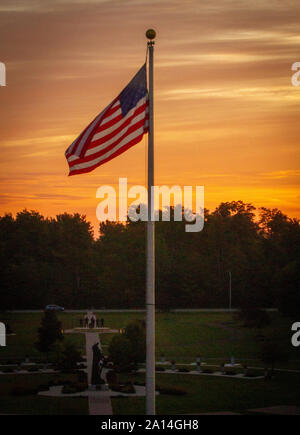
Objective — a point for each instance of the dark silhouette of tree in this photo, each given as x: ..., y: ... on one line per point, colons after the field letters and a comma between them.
x: 136, y: 334
x: 66, y: 357
x: 273, y: 352
x: 57, y: 260
x: 49, y: 332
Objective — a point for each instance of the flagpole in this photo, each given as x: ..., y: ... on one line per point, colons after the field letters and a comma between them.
x: 150, y: 252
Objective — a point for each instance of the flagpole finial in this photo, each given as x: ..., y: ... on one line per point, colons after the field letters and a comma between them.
x: 150, y: 34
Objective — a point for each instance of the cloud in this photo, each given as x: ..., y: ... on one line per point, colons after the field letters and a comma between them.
x: 265, y: 94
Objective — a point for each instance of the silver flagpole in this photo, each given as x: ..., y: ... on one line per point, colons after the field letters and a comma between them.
x: 150, y: 272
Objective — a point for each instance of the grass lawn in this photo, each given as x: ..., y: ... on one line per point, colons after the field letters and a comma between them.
x: 208, y: 394
x: 34, y: 404
x: 25, y: 327
x: 179, y: 336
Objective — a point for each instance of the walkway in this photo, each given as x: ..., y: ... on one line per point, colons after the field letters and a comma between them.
x: 99, y: 404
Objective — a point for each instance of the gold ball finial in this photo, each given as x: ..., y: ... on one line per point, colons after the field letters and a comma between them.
x: 150, y: 34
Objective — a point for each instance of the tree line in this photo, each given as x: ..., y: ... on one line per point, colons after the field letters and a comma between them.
x: 57, y: 260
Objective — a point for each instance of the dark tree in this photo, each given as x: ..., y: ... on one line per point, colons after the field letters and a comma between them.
x: 273, y: 352
x: 136, y: 334
x: 57, y: 261
x: 67, y: 357
x: 49, y: 332
x: 119, y: 353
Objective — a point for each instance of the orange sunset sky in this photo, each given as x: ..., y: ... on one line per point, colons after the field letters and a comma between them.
x: 226, y: 113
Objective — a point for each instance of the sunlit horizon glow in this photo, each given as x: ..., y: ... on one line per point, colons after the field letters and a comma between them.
x: 226, y: 113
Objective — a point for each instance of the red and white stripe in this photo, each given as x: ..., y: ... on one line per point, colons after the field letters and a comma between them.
x: 109, y: 135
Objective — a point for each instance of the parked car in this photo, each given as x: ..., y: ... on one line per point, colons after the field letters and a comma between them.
x: 54, y: 307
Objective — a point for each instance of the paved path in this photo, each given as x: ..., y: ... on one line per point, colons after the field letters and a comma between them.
x: 98, y: 404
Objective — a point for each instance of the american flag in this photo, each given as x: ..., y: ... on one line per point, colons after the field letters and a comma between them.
x: 117, y: 128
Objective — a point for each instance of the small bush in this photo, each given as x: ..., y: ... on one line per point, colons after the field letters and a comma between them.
x: 115, y: 387
x: 230, y: 372
x: 8, y: 370
x: 140, y: 383
x: 66, y: 357
x: 23, y: 391
x: 128, y: 388
x: 33, y: 369
x: 112, y: 377
x: 43, y: 387
x: 81, y: 386
x: 160, y: 369
x: 207, y: 371
x: 57, y: 382
x: 251, y: 374
x: 253, y: 317
x: 183, y: 370
x: 172, y: 391
x: 119, y: 352
x: 82, y: 376
x: 74, y: 387
x: 69, y: 389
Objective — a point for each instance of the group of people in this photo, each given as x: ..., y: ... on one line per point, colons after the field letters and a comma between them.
x: 91, y: 321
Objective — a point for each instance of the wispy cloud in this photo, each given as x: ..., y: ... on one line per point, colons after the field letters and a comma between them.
x: 270, y: 93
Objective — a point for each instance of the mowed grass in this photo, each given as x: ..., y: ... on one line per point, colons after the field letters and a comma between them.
x: 25, y: 327
x: 34, y: 404
x: 214, y: 336
x: 179, y: 336
x: 213, y: 394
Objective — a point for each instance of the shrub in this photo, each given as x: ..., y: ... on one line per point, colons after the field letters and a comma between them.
x: 183, y: 370
x: 32, y: 369
x: 174, y: 391
x: 273, y: 352
x: 60, y: 382
x: 49, y: 332
x: 66, y: 357
x: 251, y: 374
x: 129, y: 349
x: 43, y: 387
x: 230, y: 372
x: 112, y: 377
x: 8, y: 370
x: 136, y: 333
x: 81, y: 386
x: 115, y: 387
x: 127, y: 388
x: 82, y: 376
x: 207, y: 371
x: 119, y: 352
x: 23, y: 391
x: 253, y: 317
x: 140, y: 383
x: 69, y: 389
x: 160, y: 369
